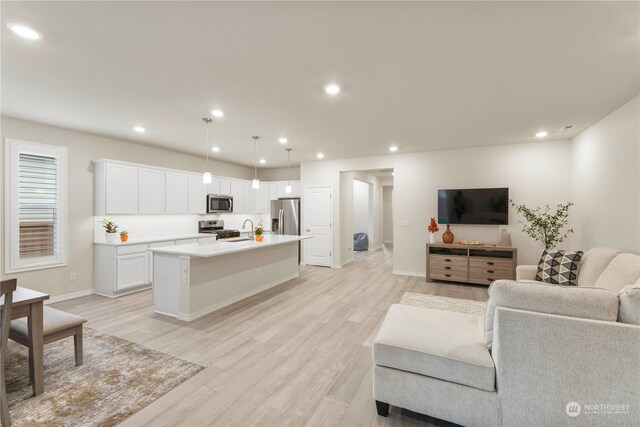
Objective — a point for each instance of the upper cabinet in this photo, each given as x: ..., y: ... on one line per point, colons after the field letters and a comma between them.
x: 151, y: 191
x: 128, y: 189
x: 197, y: 198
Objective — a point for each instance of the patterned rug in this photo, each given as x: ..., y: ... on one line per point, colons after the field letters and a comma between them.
x: 444, y: 303
x: 118, y: 378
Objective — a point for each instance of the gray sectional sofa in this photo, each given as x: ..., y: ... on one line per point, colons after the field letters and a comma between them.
x: 544, y: 355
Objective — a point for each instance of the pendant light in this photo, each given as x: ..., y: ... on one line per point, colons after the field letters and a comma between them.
x: 255, y: 183
x: 206, y: 176
x: 287, y: 188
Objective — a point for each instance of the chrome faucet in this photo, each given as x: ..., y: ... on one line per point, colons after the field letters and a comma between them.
x: 252, y: 229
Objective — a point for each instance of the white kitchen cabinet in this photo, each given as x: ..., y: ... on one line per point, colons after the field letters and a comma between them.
x: 296, y: 189
x: 249, y: 198
x: 225, y: 187
x: 262, y: 199
x: 151, y: 191
x: 206, y: 240
x: 132, y: 270
x: 273, y: 190
x: 237, y: 192
x: 121, y: 189
x: 177, y: 187
x: 214, y: 187
x: 197, y: 197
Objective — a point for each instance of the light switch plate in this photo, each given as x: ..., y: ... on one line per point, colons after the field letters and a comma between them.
x: 403, y: 223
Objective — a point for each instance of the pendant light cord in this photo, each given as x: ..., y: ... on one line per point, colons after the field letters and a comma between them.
x: 255, y: 160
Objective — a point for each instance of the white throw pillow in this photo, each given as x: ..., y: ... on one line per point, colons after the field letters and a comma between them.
x: 629, y: 310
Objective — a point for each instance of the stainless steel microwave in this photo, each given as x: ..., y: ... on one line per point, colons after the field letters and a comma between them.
x: 217, y: 203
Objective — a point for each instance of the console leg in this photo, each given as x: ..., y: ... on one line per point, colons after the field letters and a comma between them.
x: 382, y: 408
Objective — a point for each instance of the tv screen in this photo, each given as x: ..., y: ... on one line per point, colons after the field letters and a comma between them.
x: 474, y: 206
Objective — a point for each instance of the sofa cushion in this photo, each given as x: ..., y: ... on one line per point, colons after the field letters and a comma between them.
x: 437, y: 343
x: 629, y: 310
x: 587, y: 303
x: 559, y: 267
x: 623, y: 270
x: 594, y: 262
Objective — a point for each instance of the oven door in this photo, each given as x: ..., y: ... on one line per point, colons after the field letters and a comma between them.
x: 217, y: 204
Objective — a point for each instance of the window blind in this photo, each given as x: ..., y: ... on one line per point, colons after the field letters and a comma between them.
x: 37, y: 205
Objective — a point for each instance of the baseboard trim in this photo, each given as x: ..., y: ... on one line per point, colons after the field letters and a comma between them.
x: 346, y: 262
x: 121, y: 294
x: 409, y: 273
x: 376, y: 248
x: 190, y: 317
x: 72, y: 295
x: 387, y: 242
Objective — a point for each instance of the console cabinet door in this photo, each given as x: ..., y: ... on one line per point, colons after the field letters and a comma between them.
x: 237, y: 192
x: 132, y: 270
x: 151, y: 191
x: 177, y: 193
x: 262, y: 199
x: 225, y: 187
x: 121, y: 189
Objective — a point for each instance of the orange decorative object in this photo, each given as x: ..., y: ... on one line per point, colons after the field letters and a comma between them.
x: 124, y: 237
x: 258, y: 237
x: 433, y: 226
x: 447, y: 236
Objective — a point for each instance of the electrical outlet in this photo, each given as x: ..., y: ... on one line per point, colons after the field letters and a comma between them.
x: 72, y: 277
x: 403, y: 223
x: 185, y: 275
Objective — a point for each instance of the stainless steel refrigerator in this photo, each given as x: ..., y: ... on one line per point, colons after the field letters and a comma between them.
x: 285, y: 218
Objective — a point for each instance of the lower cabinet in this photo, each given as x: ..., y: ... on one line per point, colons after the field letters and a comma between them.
x: 132, y: 271
x: 119, y: 270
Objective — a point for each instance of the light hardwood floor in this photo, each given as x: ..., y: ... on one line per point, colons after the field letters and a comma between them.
x: 298, y: 354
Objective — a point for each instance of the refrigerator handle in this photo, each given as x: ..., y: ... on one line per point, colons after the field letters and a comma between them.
x: 281, y: 221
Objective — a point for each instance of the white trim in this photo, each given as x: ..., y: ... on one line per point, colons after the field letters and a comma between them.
x: 376, y: 248
x: 12, y: 263
x: 72, y: 295
x: 347, y: 262
x: 188, y: 318
x: 409, y: 273
x: 387, y: 242
x: 123, y: 293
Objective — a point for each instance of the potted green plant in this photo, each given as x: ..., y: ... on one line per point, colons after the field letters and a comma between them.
x: 545, y: 225
x: 124, y: 235
x: 110, y: 228
x: 258, y: 232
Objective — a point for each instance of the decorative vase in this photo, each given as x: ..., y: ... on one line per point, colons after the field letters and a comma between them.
x: 111, y: 237
x: 432, y: 237
x: 124, y: 237
x: 258, y: 237
x: 447, y: 237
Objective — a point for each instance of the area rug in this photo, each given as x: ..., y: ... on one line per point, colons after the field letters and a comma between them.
x: 444, y: 303
x: 118, y: 378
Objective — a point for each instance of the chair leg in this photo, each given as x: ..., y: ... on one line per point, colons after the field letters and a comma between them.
x: 382, y: 408
x: 5, y: 419
x: 78, y: 344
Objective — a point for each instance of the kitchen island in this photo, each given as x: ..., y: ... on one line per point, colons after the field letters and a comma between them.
x: 192, y: 280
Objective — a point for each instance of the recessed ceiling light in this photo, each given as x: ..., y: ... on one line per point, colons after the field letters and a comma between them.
x: 263, y: 161
x: 332, y: 89
x: 283, y: 140
x: 320, y: 156
x: 139, y: 129
x: 24, y: 31
x: 542, y: 134
x: 393, y: 148
x: 217, y: 113
x: 215, y: 149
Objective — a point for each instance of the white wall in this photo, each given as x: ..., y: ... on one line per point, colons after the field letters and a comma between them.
x: 531, y: 171
x: 387, y: 214
x: 82, y: 149
x: 362, y: 221
x: 605, y: 181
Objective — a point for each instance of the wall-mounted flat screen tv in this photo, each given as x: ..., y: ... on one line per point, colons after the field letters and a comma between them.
x: 474, y: 206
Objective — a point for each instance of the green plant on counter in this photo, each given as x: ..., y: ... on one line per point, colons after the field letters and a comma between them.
x: 545, y: 225
x: 109, y: 225
x: 259, y: 230
x: 124, y: 233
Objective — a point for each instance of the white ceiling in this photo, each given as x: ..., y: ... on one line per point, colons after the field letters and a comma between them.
x: 424, y: 75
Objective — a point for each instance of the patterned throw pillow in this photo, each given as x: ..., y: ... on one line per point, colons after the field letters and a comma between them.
x: 559, y: 267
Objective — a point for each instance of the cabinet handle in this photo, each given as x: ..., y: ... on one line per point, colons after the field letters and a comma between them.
x: 447, y: 260
x: 447, y: 275
x: 490, y: 271
x: 446, y: 267
x: 490, y: 263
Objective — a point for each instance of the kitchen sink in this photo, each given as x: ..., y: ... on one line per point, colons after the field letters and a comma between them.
x: 237, y: 239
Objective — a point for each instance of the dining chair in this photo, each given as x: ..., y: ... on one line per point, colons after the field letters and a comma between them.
x: 7, y: 287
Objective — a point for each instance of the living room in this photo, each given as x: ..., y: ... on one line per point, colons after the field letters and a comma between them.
x: 180, y: 208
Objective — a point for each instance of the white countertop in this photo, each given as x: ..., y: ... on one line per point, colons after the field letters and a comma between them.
x: 222, y: 247
x: 142, y: 240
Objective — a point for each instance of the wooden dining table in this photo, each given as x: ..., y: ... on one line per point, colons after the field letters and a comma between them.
x: 30, y: 304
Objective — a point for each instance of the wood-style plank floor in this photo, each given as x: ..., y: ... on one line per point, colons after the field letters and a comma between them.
x: 296, y: 355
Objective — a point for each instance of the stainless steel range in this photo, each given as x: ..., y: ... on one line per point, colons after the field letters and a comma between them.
x: 216, y: 226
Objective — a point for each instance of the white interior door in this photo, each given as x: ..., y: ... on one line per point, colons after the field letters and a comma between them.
x: 318, y: 221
